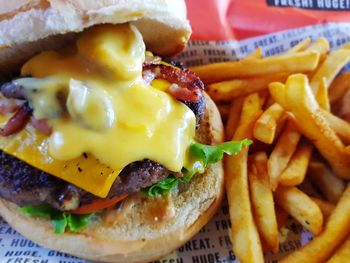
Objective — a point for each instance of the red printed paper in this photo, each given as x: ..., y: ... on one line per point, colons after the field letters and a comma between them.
x: 239, y: 19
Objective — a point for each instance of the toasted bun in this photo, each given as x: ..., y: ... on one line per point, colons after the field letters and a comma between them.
x: 133, y: 234
x: 138, y: 231
x: 30, y: 26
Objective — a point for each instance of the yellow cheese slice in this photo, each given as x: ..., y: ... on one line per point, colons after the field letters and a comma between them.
x: 86, y: 171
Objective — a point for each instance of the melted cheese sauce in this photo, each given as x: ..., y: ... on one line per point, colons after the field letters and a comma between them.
x: 110, y: 112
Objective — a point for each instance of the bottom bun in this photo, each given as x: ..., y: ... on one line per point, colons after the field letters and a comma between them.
x: 142, y: 229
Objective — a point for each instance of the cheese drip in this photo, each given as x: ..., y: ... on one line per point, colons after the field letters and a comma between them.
x: 112, y: 114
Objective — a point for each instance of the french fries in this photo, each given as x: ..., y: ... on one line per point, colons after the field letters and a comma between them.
x: 342, y: 255
x: 278, y: 93
x: 289, y: 63
x: 245, y: 237
x: 291, y: 121
x: 301, y: 207
x: 262, y: 201
x: 330, y: 68
x: 226, y: 91
x: 282, y: 153
x: 251, y: 110
x: 336, y: 230
x: 265, y: 126
x: 322, y: 95
x: 302, y: 45
x: 299, y: 101
x: 321, y: 45
x: 339, y: 86
x: 341, y: 127
x: 331, y: 186
x: 295, y: 172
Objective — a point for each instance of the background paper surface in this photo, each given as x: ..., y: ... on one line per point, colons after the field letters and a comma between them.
x: 239, y: 19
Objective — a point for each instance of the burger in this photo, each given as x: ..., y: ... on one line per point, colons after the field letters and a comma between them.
x: 106, y: 152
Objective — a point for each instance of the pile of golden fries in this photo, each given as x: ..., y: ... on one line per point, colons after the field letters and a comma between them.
x: 296, y: 109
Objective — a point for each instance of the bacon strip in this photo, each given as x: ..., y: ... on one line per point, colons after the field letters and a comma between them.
x: 189, y: 86
x: 18, y: 121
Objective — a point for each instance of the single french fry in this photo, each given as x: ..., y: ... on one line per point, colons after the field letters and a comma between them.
x: 322, y: 95
x: 326, y: 207
x: 251, y: 111
x: 341, y: 255
x: 226, y: 91
x: 340, y: 126
x: 339, y: 86
x: 281, y: 124
x: 301, y: 46
x: 301, y: 207
x: 245, y: 237
x: 243, y: 226
x: 296, y: 170
x: 335, y: 232
x: 256, y: 54
x: 282, y: 153
x: 331, y: 186
x: 262, y: 201
x: 299, y: 100
x: 265, y: 126
x: 321, y: 45
x: 334, y: 62
x: 233, y: 117
x: 278, y: 93
x: 304, y: 61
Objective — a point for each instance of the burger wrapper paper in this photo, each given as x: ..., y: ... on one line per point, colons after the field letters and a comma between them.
x: 212, y: 243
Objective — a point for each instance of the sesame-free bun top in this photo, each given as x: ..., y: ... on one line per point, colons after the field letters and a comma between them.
x: 28, y: 27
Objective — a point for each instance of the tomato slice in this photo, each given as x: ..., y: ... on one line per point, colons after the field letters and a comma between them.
x: 97, y: 205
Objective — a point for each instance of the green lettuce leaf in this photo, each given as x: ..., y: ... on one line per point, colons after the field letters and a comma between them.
x: 206, y: 154
x: 214, y: 153
x: 60, y: 221
x: 78, y: 222
x: 162, y: 186
x: 43, y: 211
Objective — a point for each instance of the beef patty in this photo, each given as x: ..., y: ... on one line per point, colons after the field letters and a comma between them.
x: 23, y: 184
